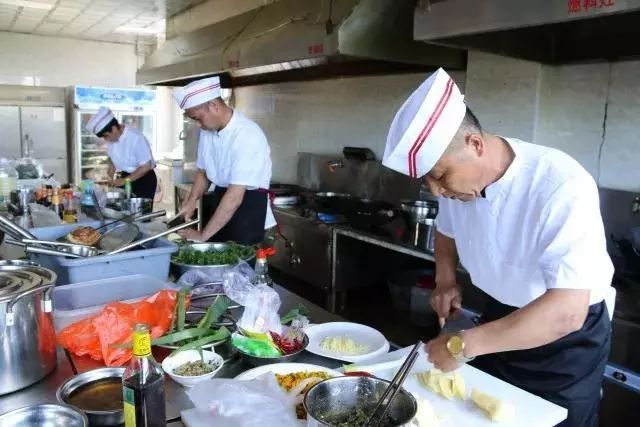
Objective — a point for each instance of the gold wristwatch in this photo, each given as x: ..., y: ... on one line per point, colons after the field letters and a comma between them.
x: 455, y: 345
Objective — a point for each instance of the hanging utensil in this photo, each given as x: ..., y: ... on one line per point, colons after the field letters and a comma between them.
x: 154, y: 237
x: 118, y: 236
x: 382, y: 407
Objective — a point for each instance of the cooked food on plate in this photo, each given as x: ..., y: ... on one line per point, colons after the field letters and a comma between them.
x: 84, y: 236
x: 298, y: 383
x: 343, y: 345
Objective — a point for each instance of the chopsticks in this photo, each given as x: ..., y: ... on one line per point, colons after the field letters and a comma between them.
x: 383, y: 405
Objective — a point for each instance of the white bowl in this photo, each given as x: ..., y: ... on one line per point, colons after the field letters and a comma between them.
x: 172, y: 362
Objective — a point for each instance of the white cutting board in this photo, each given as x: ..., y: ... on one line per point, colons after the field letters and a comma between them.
x: 531, y: 410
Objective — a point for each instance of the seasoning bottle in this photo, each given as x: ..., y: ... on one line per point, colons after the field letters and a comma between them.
x: 143, y: 384
x: 262, y: 268
x: 127, y: 187
x: 70, y: 215
x: 56, y: 204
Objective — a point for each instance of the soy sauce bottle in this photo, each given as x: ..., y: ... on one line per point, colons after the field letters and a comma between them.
x: 143, y: 384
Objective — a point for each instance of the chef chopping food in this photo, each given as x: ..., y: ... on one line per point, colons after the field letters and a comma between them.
x: 524, y: 220
x: 234, y: 156
x: 129, y: 153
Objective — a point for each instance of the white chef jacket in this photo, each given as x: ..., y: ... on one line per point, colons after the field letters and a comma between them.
x: 239, y: 154
x: 131, y: 151
x: 538, y: 228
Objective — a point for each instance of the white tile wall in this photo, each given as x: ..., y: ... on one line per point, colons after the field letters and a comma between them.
x: 324, y: 116
x: 56, y: 61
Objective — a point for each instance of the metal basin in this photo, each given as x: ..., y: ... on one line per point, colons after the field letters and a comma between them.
x: 332, y: 401
x: 178, y: 269
x: 95, y: 417
x: 418, y: 210
x: 137, y: 205
x: 48, y: 276
x: 261, y: 361
x: 49, y: 415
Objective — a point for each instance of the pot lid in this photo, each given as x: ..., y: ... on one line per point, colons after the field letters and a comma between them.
x: 13, y: 283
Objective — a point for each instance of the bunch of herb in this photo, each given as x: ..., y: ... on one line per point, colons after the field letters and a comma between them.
x: 233, y: 253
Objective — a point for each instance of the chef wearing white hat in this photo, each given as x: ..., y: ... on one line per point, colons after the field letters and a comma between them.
x: 234, y: 155
x: 129, y: 153
x: 525, y: 222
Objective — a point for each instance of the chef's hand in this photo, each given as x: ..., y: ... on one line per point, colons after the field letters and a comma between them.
x: 191, y: 234
x: 439, y: 355
x: 445, y: 299
x: 117, y: 183
x: 187, y: 209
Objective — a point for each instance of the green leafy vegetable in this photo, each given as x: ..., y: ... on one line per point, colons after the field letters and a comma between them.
x: 219, y: 335
x: 215, y: 310
x: 300, y: 310
x: 233, y: 253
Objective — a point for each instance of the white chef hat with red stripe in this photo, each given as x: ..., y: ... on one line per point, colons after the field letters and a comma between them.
x: 424, y: 126
x: 100, y: 120
x: 198, y: 92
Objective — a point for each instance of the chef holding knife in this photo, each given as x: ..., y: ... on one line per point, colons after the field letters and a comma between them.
x: 233, y: 155
x: 525, y: 222
x: 129, y: 153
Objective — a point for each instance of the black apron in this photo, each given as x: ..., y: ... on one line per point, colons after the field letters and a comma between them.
x: 567, y: 372
x: 246, y: 226
x: 145, y: 186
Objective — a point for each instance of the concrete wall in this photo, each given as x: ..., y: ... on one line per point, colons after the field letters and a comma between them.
x: 589, y: 111
x: 324, y: 116
x: 54, y: 61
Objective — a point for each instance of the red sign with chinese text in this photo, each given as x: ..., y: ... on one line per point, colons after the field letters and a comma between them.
x: 577, y: 6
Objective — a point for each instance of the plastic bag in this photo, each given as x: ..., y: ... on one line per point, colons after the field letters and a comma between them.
x: 235, y: 403
x: 96, y: 335
x: 261, y: 303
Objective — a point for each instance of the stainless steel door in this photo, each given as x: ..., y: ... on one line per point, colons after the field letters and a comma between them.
x: 46, y: 128
x: 10, y: 132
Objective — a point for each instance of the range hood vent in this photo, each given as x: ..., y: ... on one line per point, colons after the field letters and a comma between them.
x: 290, y: 35
x: 548, y: 31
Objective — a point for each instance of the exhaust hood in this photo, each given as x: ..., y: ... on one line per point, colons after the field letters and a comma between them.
x: 290, y: 35
x: 548, y: 31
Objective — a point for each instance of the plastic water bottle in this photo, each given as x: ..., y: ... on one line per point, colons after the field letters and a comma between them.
x: 127, y: 187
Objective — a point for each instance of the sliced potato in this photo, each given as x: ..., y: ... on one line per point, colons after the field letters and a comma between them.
x: 495, y: 409
x: 446, y: 387
x: 459, y: 388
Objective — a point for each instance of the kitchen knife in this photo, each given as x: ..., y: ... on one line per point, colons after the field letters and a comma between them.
x: 460, y: 319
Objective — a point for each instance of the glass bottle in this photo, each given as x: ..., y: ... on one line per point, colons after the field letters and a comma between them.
x: 262, y: 268
x: 70, y: 215
x: 143, y: 384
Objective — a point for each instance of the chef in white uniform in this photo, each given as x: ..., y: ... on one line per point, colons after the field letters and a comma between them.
x: 234, y: 155
x: 525, y: 222
x: 129, y: 153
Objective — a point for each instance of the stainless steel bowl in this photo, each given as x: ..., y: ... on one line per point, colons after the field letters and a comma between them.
x: 137, y: 205
x: 261, y: 361
x: 96, y: 418
x: 178, y: 269
x: 337, y: 398
x: 48, y: 276
x: 44, y: 415
x: 415, y: 211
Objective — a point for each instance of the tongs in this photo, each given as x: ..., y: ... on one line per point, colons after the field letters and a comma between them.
x: 383, y: 405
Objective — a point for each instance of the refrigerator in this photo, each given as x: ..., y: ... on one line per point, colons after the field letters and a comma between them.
x: 33, y: 119
x: 134, y: 107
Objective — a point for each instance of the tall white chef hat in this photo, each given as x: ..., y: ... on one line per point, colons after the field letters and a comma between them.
x: 424, y: 126
x: 198, y: 92
x: 100, y: 120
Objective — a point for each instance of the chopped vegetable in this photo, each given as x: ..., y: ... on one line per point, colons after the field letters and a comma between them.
x: 449, y: 386
x: 194, y: 369
x: 495, y: 409
x: 231, y: 255
x: 343, y: 345
x: 254, y: 347
x: 286, y: 345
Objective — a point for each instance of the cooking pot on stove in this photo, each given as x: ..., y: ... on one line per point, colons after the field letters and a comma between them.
x: 27, y: 337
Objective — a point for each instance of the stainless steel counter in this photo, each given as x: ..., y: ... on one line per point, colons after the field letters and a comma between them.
x: 177, y: 400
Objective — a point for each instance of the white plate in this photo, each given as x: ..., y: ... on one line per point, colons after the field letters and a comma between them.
x: 361, y: 334
x: 285, y: 368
